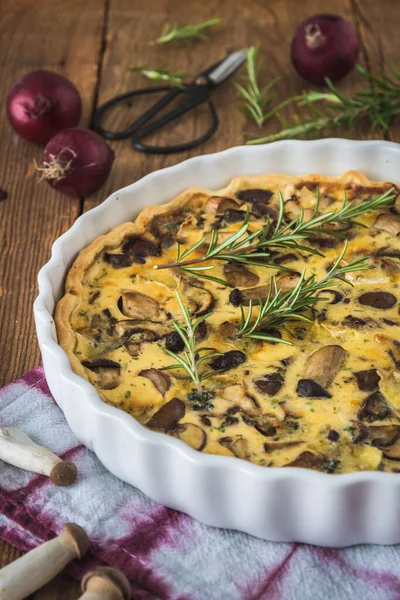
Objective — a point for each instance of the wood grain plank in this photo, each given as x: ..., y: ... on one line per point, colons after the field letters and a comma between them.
x: 378, y: 29
x: 67, y: 37
x: 269, y: 23
x: 64, y: 37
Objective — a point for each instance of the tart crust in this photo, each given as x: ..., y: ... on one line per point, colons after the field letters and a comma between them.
x: 196, y: 197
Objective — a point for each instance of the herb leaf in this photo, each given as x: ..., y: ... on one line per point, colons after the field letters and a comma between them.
x: 380, y: 105
x: 160, y: 74
x: 245, y: 247
x: 256, y: 100
x: 173, y: 33
x: 280, y: 307
x: 192, y: 357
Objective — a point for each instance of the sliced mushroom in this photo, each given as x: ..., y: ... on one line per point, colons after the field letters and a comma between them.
x: 227, y: 329
x: 339, y: 226
x: 326, y: 242
x: 285, y: 283
x: 229, y: 216
x: 238, y: 297
x: 331, y: 296
x: 135, y: 249
x: 391, y: 265
x: 93, y: 297
x: 192, y: 435
x: 240, y: 276
x: 255, y: 196
x: 239, y: 447
x: 383, y: 435
x: 368, y: 380
x: 259, y: 199
x: 232, y: 215
x: 138, y: 332
x: 294, y: 210
x: 393, y: 451
x: 284, y: 258
x: 389, y: 223
x: 229, y: 420
x: 129, y: 327
x: 375, y: 408
x: 107, y: 371
x: 227, y: 361
x: 307, y: 388
x: 359, y: 431
x: 389, y: 252
x: 167, y: 416
x: 160, y: 380
x: 306, y: 460
x: 381, y: 300
x: 271, y: 446
x: 265, y: 426
x: 323, y: 364
x: 202, y: 300
x: 269, y: 384
x: 357, y: 323
x: 118, y: 260
x: 140, y: 248
x: 166, y: 225
x: 216, y: 205
x: 140, y: 306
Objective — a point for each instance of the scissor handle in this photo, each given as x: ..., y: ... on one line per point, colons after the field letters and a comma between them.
x: 197, y: 94
x: 149, y: 149
x: 173, y: 92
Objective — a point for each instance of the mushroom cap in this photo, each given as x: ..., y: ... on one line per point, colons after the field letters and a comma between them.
x: 107, y: 578
x: 63, y: 473
x: 76, y: 539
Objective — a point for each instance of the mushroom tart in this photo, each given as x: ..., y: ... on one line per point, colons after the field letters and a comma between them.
x: 195, y: 320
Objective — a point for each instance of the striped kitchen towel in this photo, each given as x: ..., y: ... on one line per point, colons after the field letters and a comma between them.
x: 164, y: 553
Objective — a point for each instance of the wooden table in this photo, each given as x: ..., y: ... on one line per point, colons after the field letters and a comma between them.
x: 94, y: 43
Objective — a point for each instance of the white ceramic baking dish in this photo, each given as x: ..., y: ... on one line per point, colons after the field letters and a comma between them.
x: 289, y: 504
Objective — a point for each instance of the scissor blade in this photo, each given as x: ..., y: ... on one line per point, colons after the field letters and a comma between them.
x: 228, y: 66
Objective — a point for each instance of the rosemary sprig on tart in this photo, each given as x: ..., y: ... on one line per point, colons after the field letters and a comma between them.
x: 192, y: 356
x: 283, y: 306
x: 255, y: 248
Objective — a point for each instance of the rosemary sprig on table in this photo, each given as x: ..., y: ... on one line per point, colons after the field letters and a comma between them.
x: 191, y: 357
x: 280, y: 307
x: 256, y: 100
x: 380, y: 105
x: 160, y: 74
x: 173, y: 33
x: 249, y: 247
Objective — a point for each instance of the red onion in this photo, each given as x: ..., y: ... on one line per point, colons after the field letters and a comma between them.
x: 41, y: 104
x: 76, y: 162
x: 324, y: 46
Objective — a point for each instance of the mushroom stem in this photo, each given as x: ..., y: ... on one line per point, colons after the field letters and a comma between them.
x: 17, y: 449
x: 33, y: 570
x: 105, y: 583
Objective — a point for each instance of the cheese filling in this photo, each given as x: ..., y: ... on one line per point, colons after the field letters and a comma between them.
x: 330, y: 401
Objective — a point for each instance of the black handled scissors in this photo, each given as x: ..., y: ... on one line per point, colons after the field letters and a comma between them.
x: 198, y: 91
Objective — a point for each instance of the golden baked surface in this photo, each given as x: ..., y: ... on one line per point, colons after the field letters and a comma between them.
x: 330, y: 401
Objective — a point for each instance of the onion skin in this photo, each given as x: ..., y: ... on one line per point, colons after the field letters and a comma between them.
x: 41, y: 104
x: 324, y: 46
x: 77, y: 162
